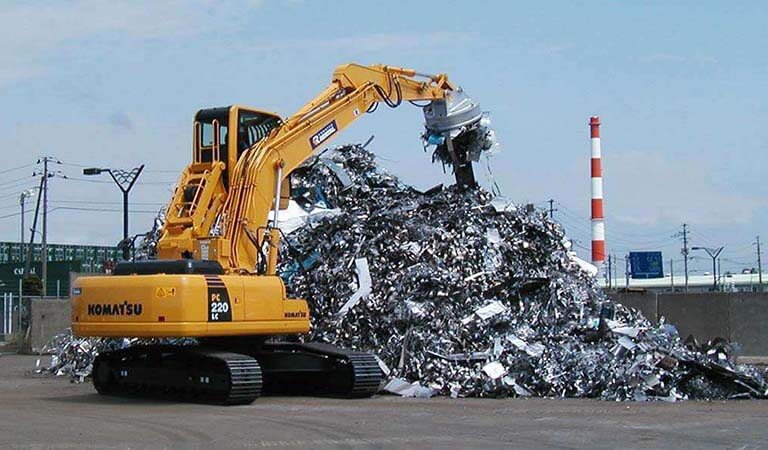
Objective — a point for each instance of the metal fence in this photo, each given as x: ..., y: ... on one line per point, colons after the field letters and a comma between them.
x: 58, y: 286
x: 11, y: 313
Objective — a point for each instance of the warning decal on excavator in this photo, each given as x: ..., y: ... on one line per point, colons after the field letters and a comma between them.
x: 165, y: 292
x: 219, y: 308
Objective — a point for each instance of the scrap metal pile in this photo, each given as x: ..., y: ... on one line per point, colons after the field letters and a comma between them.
x: 73, y: 357
x: 461, y: 295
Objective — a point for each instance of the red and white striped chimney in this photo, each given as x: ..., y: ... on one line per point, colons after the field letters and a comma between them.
x: 598, y: 217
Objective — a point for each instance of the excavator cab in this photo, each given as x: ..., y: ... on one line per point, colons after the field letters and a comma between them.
x: 224, y: 133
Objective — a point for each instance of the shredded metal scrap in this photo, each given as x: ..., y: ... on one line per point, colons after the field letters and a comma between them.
x: 73, y: 356
x: 468, y: 297
x: 460, y: 295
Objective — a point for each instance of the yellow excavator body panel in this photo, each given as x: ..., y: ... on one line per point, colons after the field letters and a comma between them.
x: 185, y: 305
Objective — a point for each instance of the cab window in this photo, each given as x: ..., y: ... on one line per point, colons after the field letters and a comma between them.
x: 253, y: 127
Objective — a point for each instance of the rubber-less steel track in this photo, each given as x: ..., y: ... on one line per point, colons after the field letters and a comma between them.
x: 318, y: 369
x: 366, y: 375
x: 180, y: 373
x: 230, y: 373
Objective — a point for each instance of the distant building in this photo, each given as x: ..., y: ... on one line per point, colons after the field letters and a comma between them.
x: 93, y: 258
x: 62, y: 259
x: 728, y: 282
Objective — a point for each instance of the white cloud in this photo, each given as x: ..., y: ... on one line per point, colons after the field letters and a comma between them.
x: 369, y: 42
x: 30, y: 31
x: 677, y: 58
x: 654, y: 188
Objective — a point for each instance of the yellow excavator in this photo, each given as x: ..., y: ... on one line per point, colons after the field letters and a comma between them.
x: 215, y: 275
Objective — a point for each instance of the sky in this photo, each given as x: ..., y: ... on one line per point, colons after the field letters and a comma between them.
x: 681, y: 89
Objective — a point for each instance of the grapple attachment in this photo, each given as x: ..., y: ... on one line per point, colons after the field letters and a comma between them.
x: 459, y: 131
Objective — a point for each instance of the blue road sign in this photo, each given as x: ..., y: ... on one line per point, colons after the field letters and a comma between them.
x: 645, y: 265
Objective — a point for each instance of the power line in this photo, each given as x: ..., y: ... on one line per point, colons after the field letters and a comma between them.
x: 581, y: 217
x: 16, y: 168
x: 148, y: 170
x: 614, y: 237
x: 155, y: 183
x: 740, y: 263
x: 16, y: 194
x: 85, y: 180
x: 14, y: 186
x: 89, y: 202
x: 145, y: 183
x: 15, y: 180
x: 10, y: 215
x: 74, y: 208
x: 72, y: 164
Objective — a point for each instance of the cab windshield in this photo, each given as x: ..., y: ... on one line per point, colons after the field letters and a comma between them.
x: 253, y: 127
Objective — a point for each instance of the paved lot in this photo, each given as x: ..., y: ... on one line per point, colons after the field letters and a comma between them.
x: 42, y: 411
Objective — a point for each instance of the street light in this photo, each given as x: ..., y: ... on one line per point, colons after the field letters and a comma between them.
x: 125, y: 180
x: 713, y: 253
x: 22, y: 200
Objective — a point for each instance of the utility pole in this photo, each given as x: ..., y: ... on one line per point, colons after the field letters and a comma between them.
x: 44, y: 277
x: 44, y: 250
x: 552, y: 208
x: 759, y: 265
x: 30, y: 248
x: 21, y: 241
x: 672, y: 272
x: 609, y: 271
x: 684, y: 251
x: 685, y: 254
x: 626, y: 271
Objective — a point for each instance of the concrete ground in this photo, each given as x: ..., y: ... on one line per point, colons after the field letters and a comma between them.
x: 46, y: 412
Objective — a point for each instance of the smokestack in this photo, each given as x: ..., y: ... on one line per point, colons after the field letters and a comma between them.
x: 598, y: 217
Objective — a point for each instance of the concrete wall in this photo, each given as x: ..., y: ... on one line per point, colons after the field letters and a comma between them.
x: 705, y: 316
x: 646, y: 302
x: 47, y: 319
x: 738, y: 317
x: 748, y: 322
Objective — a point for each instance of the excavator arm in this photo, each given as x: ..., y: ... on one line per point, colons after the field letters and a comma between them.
x: 236, y: 192
x: 258, y: 176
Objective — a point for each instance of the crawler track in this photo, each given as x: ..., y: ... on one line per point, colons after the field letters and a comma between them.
x: 227, y: 374
x: 179, y: 373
